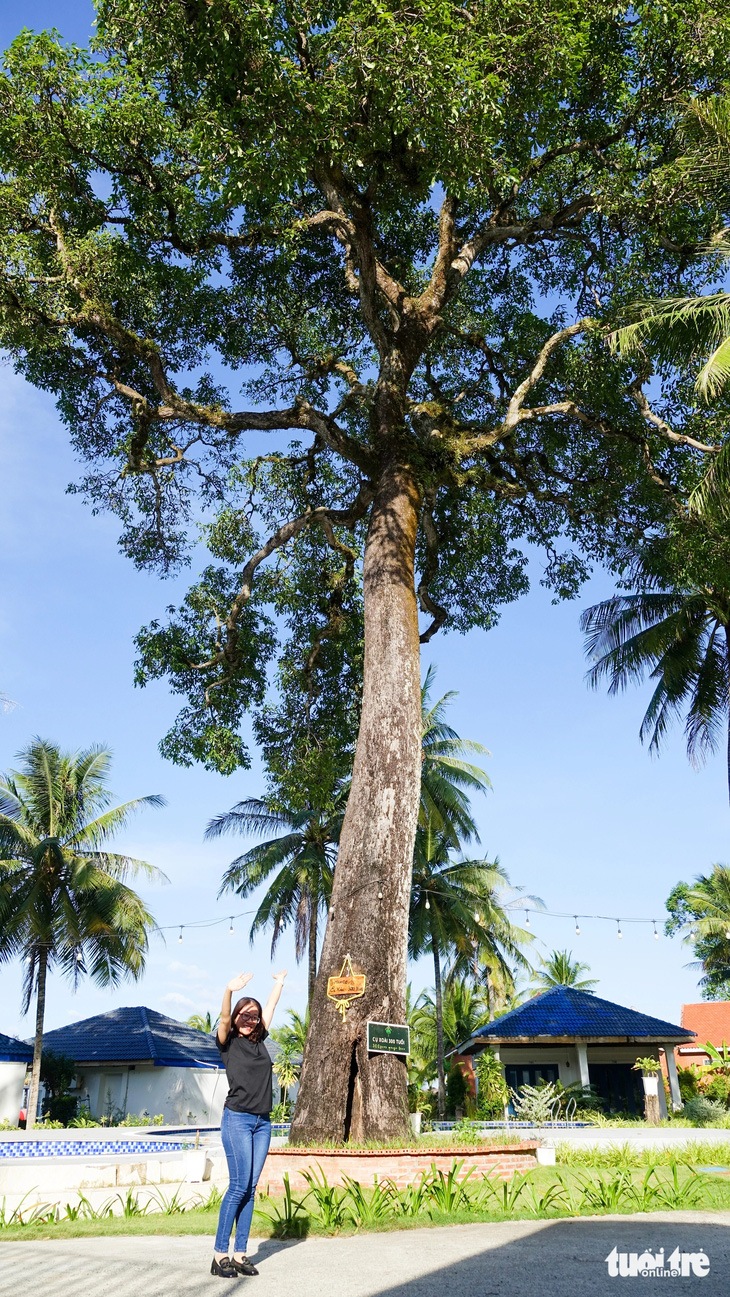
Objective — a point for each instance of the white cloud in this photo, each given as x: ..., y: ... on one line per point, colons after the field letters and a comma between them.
x: 190, y: 971
x: 180, y: 1001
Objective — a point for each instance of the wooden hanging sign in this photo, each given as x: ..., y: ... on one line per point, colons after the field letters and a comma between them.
x: 346, y: 987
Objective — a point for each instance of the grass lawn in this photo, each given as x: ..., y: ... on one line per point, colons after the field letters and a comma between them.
x: 546, y: 1194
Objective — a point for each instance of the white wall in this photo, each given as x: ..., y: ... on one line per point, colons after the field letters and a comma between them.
x: 12, y: 1079
x: 184, y: 1095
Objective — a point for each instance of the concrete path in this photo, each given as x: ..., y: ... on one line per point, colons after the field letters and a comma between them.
x: 514, y: 1259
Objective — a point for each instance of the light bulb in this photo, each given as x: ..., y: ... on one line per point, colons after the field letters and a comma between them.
x: 656, y: 935
x: 619, y: 934
x: 79, y: 956
x: 231, y: 927
x: 179, y: 940
x: 727, y: 934
x: 577, y: 926
x: 380, y: 895
x: 692, y: 934
x: 527, y: 918
x: 428, y: 904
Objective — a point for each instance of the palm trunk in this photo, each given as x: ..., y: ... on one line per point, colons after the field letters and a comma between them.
x: 35, y: 1076
x: 440, y: 1070
x: 345, y: 1092
x: 312, y: 972
x: 490, y: 996
x: 726, y: 628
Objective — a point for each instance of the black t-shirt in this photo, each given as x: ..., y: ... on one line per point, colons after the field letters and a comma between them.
x: 248, y: 1068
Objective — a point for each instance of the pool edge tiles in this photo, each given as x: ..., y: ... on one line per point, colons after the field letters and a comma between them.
x: 88, y: 1148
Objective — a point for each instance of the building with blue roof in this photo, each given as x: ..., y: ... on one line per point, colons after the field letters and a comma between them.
x: 577, y: 1038
x: 135, y: 1060
x: 15, y: 1058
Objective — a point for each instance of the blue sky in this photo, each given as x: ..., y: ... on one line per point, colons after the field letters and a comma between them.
x: 580, y: 814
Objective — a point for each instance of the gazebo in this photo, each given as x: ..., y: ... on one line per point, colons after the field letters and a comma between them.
x: 574, y: 1037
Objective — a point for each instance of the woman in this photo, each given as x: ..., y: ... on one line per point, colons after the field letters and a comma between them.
x: 246, y: 1120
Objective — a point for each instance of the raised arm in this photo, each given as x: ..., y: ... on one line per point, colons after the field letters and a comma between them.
x: 224, y: 1022
x: 273, y: 999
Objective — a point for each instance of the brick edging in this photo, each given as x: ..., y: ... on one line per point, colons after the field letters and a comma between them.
x: 472, y: 1150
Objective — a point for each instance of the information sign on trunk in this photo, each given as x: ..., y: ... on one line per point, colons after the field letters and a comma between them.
x: 388, y: 1038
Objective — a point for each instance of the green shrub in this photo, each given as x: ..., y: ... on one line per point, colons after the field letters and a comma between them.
x: 492, y: 1093
x: 455, y: 1089
x: 687, y: 1078
x: 703, y: 1112
x: 63, y: 1108
x: 718, y: 1089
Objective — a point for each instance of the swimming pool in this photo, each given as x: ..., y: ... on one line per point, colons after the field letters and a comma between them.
x: 88, y: 1147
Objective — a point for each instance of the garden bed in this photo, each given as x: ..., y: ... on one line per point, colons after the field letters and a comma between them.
x: 400, y: 1165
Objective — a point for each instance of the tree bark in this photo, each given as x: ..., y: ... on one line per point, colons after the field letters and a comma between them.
x: 345, y: 1093
x: 440, y: 1070
x: 312, y: 972
x: 35, y: 1075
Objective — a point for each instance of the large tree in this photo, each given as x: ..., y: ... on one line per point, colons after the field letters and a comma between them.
x: 64, y: 899
x: 389, y: 224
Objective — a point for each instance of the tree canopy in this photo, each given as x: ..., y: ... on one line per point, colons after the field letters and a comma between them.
x: 279, y: 199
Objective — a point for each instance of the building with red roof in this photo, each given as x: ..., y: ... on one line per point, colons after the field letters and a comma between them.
x: 709, y: 1020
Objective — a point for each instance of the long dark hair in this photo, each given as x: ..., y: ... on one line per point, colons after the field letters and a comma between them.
x: 259, y: 1030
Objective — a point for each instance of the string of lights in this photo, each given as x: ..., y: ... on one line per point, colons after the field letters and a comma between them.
x: 528, y: 910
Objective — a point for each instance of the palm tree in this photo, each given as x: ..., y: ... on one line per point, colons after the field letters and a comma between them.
x: 682, y: 329
x: 449, y: 914
x: 63, y: 896
x: 293, y: 1035
x: 682, y: 638
x: 701, y: 912
x: 560, y: 969
x: 465, y: 1008
x: 304, y: 858
x: 204, y: 1022
x: 446, y: 779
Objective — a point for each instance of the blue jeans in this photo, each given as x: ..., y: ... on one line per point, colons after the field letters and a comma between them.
x: 246, y: 1140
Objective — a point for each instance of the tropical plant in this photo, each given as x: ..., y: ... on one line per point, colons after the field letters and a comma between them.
x: 64, y: 901
x: 453, y: 913
x: 647, y: 1066
x: 702, y: 1111
x: 464, y: 1009
x: 681, y: 637
x: 286, y: 1070
x: 304, y: 858
x: 560, y: 969
x: 700, y: 911
x: 719, y: 1056
x: 446, y: 778
x: 293, y: 1034
x: 534, y: 1103
x: 204, y: 1022
x: 492, y: 1091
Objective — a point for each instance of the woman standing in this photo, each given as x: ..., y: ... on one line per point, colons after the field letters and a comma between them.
x: 246, y: 1120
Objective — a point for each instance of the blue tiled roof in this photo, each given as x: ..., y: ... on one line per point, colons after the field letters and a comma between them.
x: 137, y: 1035
x: 563, y: 1011
x: 14, y: 1051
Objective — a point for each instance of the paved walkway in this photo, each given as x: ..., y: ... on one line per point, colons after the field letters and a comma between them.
x: 514, y: 1259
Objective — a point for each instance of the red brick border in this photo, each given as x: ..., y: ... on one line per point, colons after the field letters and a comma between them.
x: 401, y: 1165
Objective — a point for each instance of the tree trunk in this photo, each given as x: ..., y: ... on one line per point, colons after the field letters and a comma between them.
x: 726, y: 628
x: 35, y: 1075
x: 345, y: 1093
x: 312, y: 973
x: 490, y: 997
x: 440, y: 1071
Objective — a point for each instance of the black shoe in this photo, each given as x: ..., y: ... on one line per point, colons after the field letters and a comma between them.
x: 225, y: 1268
x: 245, y: 1266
